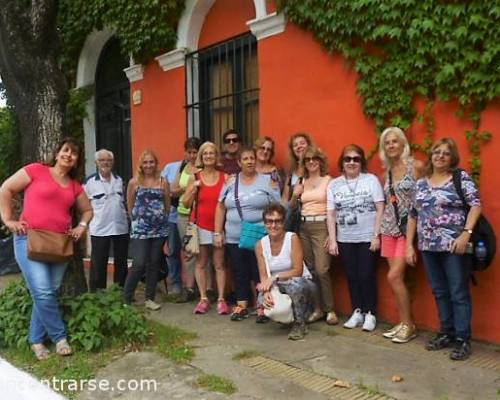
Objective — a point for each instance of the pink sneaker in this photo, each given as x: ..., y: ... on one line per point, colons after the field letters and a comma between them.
x: 222, y: 308
x: 202, y: 307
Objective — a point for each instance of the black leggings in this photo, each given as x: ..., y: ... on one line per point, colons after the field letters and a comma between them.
x: 360, y: 264
x: 245, y: 270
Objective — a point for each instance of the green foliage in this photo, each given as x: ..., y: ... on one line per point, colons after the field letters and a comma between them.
x: 93, y: 320
x: 76, y: 110
x: 404, y: 49
x: 10, y: 143
x: 145, y: 28
x: 171, y: 342
x: 214, y: 383
x: 15, y: 310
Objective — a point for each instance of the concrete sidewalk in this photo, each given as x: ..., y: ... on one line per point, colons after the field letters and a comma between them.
x: 280, y: 369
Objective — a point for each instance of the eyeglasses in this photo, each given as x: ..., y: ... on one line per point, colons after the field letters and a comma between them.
x: 105, y: 160
x: 264, y: 148
x: 355, y: 159
x: 311, y: 159
x: 232, y: 140
x: 270, y: 221
x: 443, y: 153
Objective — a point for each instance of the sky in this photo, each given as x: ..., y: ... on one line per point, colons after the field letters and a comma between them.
x: 2, y: 101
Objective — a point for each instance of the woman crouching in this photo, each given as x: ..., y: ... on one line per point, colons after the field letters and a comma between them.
x: 283, y: 254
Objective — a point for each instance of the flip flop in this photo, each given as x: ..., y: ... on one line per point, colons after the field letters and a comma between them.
x: 63, y: 349
x: 41, y: 352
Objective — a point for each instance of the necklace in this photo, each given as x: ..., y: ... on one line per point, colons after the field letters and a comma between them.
x: 352, y: 189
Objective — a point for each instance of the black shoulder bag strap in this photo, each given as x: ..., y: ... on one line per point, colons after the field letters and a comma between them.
x: 236, y: 198
x: 394, y: 201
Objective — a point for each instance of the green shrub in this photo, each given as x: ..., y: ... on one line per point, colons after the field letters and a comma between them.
x: 93, y: 320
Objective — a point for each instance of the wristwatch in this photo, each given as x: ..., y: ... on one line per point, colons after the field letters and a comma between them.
x: 469, y: 231
x: 83, y: 223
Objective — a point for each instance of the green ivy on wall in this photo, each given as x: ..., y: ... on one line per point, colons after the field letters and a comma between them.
x: 145, y: 28
x: 405, y: 49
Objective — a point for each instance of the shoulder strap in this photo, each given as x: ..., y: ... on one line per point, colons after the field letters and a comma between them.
x: 196, y: 177
x: 266, y: 249
x: 236, y: 198
x: 457, y: 182
x: 393, y: 198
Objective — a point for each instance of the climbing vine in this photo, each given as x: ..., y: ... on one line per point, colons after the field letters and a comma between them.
x: 145, y: 28
x: 408, y: 49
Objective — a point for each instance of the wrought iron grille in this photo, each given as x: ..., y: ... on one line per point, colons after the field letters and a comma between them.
x: 222, y: 90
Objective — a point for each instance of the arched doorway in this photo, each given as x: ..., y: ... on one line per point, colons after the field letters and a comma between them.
x: 112, y: 107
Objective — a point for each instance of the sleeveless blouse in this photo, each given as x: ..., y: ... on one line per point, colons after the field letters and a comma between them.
x: 208, y: 195
x: 404, y: 190
x: 283, y: 261
x: 149, y: 219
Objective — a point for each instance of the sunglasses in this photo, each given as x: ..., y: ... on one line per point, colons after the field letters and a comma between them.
x: 270, y: 221
x: 264, y: 148
x: 311, y: 159
x: 443, y: 153
x: 355, y: 159
x: 231, y: 140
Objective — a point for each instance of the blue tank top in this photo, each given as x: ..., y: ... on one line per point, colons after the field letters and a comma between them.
x: 149, y: 219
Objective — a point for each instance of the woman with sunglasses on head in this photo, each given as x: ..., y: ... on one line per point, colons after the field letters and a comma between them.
x: 355, y: 207
x: 402, y: 171
x: 148, y: 201
x: 282, y: 252
x: 313, y: 231
x: 201, y: 196
x: 264, y: 148
x: 444, y: 230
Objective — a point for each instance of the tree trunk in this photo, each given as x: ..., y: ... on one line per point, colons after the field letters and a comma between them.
x: 35, y: 85
x: 36, y: 88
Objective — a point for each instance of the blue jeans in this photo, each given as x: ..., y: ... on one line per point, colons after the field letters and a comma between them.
x: 448, y: 276
x: 43, y: 280
x: 174, y: 259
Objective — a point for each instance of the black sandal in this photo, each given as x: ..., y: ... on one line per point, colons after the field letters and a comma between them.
x: 440, y: 341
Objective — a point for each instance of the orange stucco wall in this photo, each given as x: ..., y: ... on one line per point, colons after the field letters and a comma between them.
x: 302, y: 88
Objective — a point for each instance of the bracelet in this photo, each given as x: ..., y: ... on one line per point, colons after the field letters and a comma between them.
x: 83, y: 223
x: 217, y: 234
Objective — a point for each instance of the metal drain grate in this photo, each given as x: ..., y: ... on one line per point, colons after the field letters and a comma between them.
x: 311, y: 380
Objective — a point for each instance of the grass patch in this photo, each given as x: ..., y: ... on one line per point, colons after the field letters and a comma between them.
x: 242, y: 355
x: 166, y: 340
x: 369, y: 389
x: 171, y: 342
x: 332, y: 332
x: 214, y: 383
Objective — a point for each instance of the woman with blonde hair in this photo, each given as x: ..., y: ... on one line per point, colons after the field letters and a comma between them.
x: 148, y: 200
x: 313, y: 231
x: 401, y: 174
x: 264, y: 148
x: 201, y: 197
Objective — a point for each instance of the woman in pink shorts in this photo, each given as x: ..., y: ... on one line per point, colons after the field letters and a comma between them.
x: 401, y: 173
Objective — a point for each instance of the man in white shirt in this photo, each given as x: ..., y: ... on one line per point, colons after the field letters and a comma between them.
x: 110, y: 223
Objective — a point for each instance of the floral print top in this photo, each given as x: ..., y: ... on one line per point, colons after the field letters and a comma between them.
x: 404, y: 190
x: 149, y: 219
x: 440, y: 213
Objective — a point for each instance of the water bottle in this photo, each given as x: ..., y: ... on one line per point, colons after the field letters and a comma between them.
x: 480, y: 254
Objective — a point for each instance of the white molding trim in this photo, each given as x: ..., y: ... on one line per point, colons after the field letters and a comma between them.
x: 171, y: 60
x: 270, y: 25
x: 134, y: 72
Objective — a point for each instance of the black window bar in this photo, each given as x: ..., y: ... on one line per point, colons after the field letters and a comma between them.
x: 222, y: 90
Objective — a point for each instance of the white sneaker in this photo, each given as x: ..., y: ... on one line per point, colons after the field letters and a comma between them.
x: 370, y: 322
x: 356, y: 319
x: 152, y: 305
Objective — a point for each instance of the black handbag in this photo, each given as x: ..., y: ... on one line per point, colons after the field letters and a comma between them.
x: 293, y: 215
x: 482, y: 232
x: 401, y: 220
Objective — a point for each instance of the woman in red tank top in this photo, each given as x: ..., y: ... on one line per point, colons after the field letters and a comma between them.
x: 203, y: 190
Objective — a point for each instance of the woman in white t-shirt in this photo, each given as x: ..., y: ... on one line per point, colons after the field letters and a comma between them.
x: 355, y: 204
